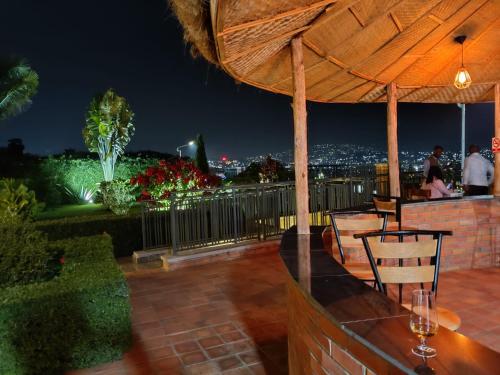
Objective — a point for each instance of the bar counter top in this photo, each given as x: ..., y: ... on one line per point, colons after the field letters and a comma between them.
x: 368, y: 327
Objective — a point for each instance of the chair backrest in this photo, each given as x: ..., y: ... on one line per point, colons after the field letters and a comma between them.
x: 378, y: 251
x: 417, y: 194
x: 347, y: 223
x: 386, y: 203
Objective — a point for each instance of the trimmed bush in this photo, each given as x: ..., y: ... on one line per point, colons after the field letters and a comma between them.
x: 25, y: 256
x: 126, y: 230
x: 78, y: 319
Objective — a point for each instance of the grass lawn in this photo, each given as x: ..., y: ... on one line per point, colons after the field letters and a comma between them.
x: 71, y: 210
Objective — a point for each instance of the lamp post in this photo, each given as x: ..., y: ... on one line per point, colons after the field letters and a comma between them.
x: 179, y: 149
x: 462, y: 107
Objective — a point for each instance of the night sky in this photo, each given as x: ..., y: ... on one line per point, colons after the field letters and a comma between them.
x: 136, y: 47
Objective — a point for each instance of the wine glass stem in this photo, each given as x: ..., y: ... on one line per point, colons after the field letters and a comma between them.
x: 422, y: 342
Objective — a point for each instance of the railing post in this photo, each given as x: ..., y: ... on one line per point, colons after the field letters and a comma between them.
x: 235, y: 218
x: 143, y: 223
x: 263, y: 214
x: 351, y: 195
x: 173, y: 226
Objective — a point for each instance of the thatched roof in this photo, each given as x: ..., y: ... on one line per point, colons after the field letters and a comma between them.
x: 353, y: 48
x: 194, y: 16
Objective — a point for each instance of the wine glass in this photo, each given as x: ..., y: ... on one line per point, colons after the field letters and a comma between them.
x: 424, y: 320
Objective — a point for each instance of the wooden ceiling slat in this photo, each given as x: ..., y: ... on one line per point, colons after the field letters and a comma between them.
x: 374, y: 36
x: 355, y: 47
x: 437, y: 61
x: 412, y: 56
x: 396, y: 21
x: 258, y: 47
x: 280, y: 16
x: 357, y: 16
x: 311, y: 61
x: 237, y: 12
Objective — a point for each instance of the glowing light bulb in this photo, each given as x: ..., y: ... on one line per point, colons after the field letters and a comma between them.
x: 462, y: 79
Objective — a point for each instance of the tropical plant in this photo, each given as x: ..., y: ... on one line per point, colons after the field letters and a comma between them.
x: 66, y: 176
x: 201, y: 155
x: 109, y: 128
x: 18, y: 84
x: 81, y: 195
x: 158, y: 183
x: 16, y: 201
x: 117, y: 195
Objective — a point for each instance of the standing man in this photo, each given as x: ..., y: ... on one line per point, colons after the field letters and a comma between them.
x: 433, y: 159
x: 478, y: 173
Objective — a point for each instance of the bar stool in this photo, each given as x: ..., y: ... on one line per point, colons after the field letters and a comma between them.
x: 347, y: 223
x: 406, y: 274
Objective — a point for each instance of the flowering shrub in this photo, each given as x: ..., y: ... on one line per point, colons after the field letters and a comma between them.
x: 117, y: 196
x: 159, y: 182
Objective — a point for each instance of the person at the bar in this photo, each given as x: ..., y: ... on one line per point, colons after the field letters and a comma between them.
x: 478, y: 173
x: 433, y: 159
x: 434, y: 183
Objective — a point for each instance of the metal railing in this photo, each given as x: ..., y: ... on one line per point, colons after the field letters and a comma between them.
x: 238, y: 213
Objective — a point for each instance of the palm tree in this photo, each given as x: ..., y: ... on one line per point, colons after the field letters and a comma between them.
x: 109, y: 128
x: 18, y: 83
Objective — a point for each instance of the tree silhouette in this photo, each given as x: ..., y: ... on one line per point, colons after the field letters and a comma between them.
x: 201, y: 156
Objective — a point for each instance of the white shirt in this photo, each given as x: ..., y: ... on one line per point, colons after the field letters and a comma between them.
x: 476, y: 170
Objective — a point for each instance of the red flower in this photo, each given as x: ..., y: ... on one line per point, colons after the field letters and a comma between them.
x: 162, y: 163
x: 61, y: 260
x: 133, y: 181
x: 150, y: 171
x: 142, y: 180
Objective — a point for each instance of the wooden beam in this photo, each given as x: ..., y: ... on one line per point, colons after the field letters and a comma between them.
x: 290, y: 13
x: 392, y: 139
x: 357, y: 16
x: 259, y: 46
x: 496, y: 186
x: 300, y: 136
x: 396, y: 21
x: 436, y: 19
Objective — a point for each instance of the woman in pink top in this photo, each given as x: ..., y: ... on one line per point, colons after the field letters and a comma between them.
x: 435, y: 184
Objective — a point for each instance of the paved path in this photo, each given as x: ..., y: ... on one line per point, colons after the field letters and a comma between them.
x: 230, y: 317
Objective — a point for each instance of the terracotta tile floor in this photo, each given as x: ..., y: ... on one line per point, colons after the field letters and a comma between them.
x: 230, y: 317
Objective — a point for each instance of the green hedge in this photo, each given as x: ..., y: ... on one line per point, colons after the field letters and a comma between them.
x: 79, y: 319
x: 126, y: 230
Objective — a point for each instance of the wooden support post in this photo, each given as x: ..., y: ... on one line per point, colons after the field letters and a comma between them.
x: 300, y: 136
x: 392, y: 139
x: 496, y: 186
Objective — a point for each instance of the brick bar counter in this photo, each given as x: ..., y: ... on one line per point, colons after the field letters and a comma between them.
x: 340, y: 325
x: 475, y: 222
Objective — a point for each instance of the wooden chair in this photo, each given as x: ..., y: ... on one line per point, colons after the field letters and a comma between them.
x: 390, y: 205
x: 419, y: 194
x: 408, y: 274
x: 347, y: 223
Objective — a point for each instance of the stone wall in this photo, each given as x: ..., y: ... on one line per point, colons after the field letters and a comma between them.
x: 317, y: 346
x: 476, y: 230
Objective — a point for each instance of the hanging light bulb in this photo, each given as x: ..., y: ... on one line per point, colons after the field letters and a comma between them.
x: 462, y: 78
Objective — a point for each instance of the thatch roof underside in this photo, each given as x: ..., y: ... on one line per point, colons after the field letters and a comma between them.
x: 194, y: 16
x: 352, y: 49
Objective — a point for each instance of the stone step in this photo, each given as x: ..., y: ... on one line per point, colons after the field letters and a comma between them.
x: 173, y: 262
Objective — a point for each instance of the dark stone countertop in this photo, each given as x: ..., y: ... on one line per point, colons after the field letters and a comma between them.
x: 370, y: 317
